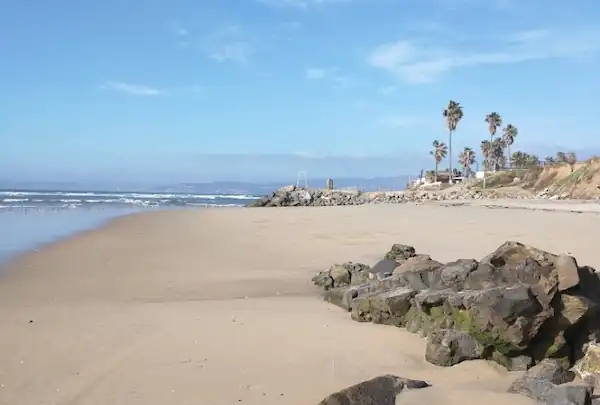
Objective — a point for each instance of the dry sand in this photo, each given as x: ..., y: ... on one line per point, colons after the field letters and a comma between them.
x: 215, y: 307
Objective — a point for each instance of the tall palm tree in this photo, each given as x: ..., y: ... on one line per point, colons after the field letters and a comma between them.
x: 467, y: 158
x: 486, y: 146
x: 497, y: 159
x: 494, y: 121
x: 453, y: 114
x: 509, y: 133
x: 439, y: 152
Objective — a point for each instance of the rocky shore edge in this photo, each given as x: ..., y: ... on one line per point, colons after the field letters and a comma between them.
x: 521, y: 307
x: 290, y: 196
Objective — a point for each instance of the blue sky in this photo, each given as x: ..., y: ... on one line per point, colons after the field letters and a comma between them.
x: 258, y: 89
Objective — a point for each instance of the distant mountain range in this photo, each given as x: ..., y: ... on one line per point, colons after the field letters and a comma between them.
x: 226, y: 187
x: 215, y: 187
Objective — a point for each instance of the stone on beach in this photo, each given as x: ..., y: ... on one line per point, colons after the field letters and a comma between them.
x: 519, y: 306
x: 380, y: 390
x: 549, y: 383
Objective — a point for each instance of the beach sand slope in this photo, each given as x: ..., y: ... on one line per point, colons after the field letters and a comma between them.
x: 215, y: 306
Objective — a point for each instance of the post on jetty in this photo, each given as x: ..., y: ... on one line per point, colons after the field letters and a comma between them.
x: 329, y: 184
x: 302, y: 177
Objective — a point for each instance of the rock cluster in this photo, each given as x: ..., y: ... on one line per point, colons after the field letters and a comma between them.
x: 519, y: 306
x: 296, y: 197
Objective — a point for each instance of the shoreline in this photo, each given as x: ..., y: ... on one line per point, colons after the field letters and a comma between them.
x: 217, y: 306
x: 80, y: 229
x: 13, y: 255
x: 567, y: 206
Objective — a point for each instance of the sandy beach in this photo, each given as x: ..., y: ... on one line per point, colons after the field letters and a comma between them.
x: 216, y: 307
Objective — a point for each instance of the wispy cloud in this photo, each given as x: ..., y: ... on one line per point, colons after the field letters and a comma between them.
x: 133, y: 89
x: 300, y: 4
x: 228, y: 44
x: 178, y: 29
x: 181, y: 34
x: 332, y: 75
x: 418, y: 62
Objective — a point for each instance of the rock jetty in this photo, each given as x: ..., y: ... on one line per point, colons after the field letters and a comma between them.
x: 291, y: 196
x: 519, y: 306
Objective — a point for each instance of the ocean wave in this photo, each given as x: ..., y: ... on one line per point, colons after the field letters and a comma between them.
x: 69, y: 200
x: 15, y: 199
x: 127, y: 195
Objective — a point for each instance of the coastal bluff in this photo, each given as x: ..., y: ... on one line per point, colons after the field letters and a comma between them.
x: 292, y: 196
x: 521, y: 307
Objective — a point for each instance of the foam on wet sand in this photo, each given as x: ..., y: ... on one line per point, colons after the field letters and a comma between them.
x: 217, y: 307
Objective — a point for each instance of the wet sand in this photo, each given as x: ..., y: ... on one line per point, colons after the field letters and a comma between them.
x: 216, y: 307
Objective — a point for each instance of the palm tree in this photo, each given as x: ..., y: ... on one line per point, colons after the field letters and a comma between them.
x: 485, y: 151
x: 439, y: 152
x: 571, y: 160
x: 550, y: 160
x: 466, y: 159
x: 568, y: 158
x: 497, y: 159
x: 509, y: 133
x: 453, y: 114
x: 493, y: 120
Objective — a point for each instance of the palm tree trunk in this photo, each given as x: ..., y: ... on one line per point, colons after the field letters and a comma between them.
x: 508, y: 157
x: 450, y: 157
x: 436, y: 170
x: 490, y: 156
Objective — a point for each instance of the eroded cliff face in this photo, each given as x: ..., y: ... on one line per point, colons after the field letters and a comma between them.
x: 583, y: 182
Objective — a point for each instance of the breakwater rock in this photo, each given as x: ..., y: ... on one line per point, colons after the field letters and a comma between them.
x: 291, y: 196
x: 519, y: 306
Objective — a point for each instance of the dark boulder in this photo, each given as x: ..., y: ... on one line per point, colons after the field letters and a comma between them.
x: 549, y: 383
x: 381, y: 390
x: 400, y: 252
x: 447, y: 347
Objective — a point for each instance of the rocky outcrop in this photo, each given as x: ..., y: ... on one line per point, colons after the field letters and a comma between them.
x: 381, y: 390
x: 549, y: 383
x: 519, y: 306
x: 291, y: 196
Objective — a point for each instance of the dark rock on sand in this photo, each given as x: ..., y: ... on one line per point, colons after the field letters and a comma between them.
x: 340, y: 275
x: 400, y: 252
x: 383, y: 268
x: 446, y: 347
x: 516, y: 306
x: 549, y: 383
x: 377, y: 391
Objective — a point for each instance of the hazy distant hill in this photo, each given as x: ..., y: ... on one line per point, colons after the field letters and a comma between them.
x: 225, y: 187
x: 216, y: 187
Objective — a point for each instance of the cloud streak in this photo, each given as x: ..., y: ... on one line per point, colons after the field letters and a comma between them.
x: 228, y: 44
x: 333, y: 75
x: 133, y: 89
x: 416, y: 62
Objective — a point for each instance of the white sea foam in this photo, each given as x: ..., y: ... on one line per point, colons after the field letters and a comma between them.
x: 68, y: 199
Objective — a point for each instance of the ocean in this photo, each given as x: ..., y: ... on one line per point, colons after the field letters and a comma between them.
x: 32, y: 218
